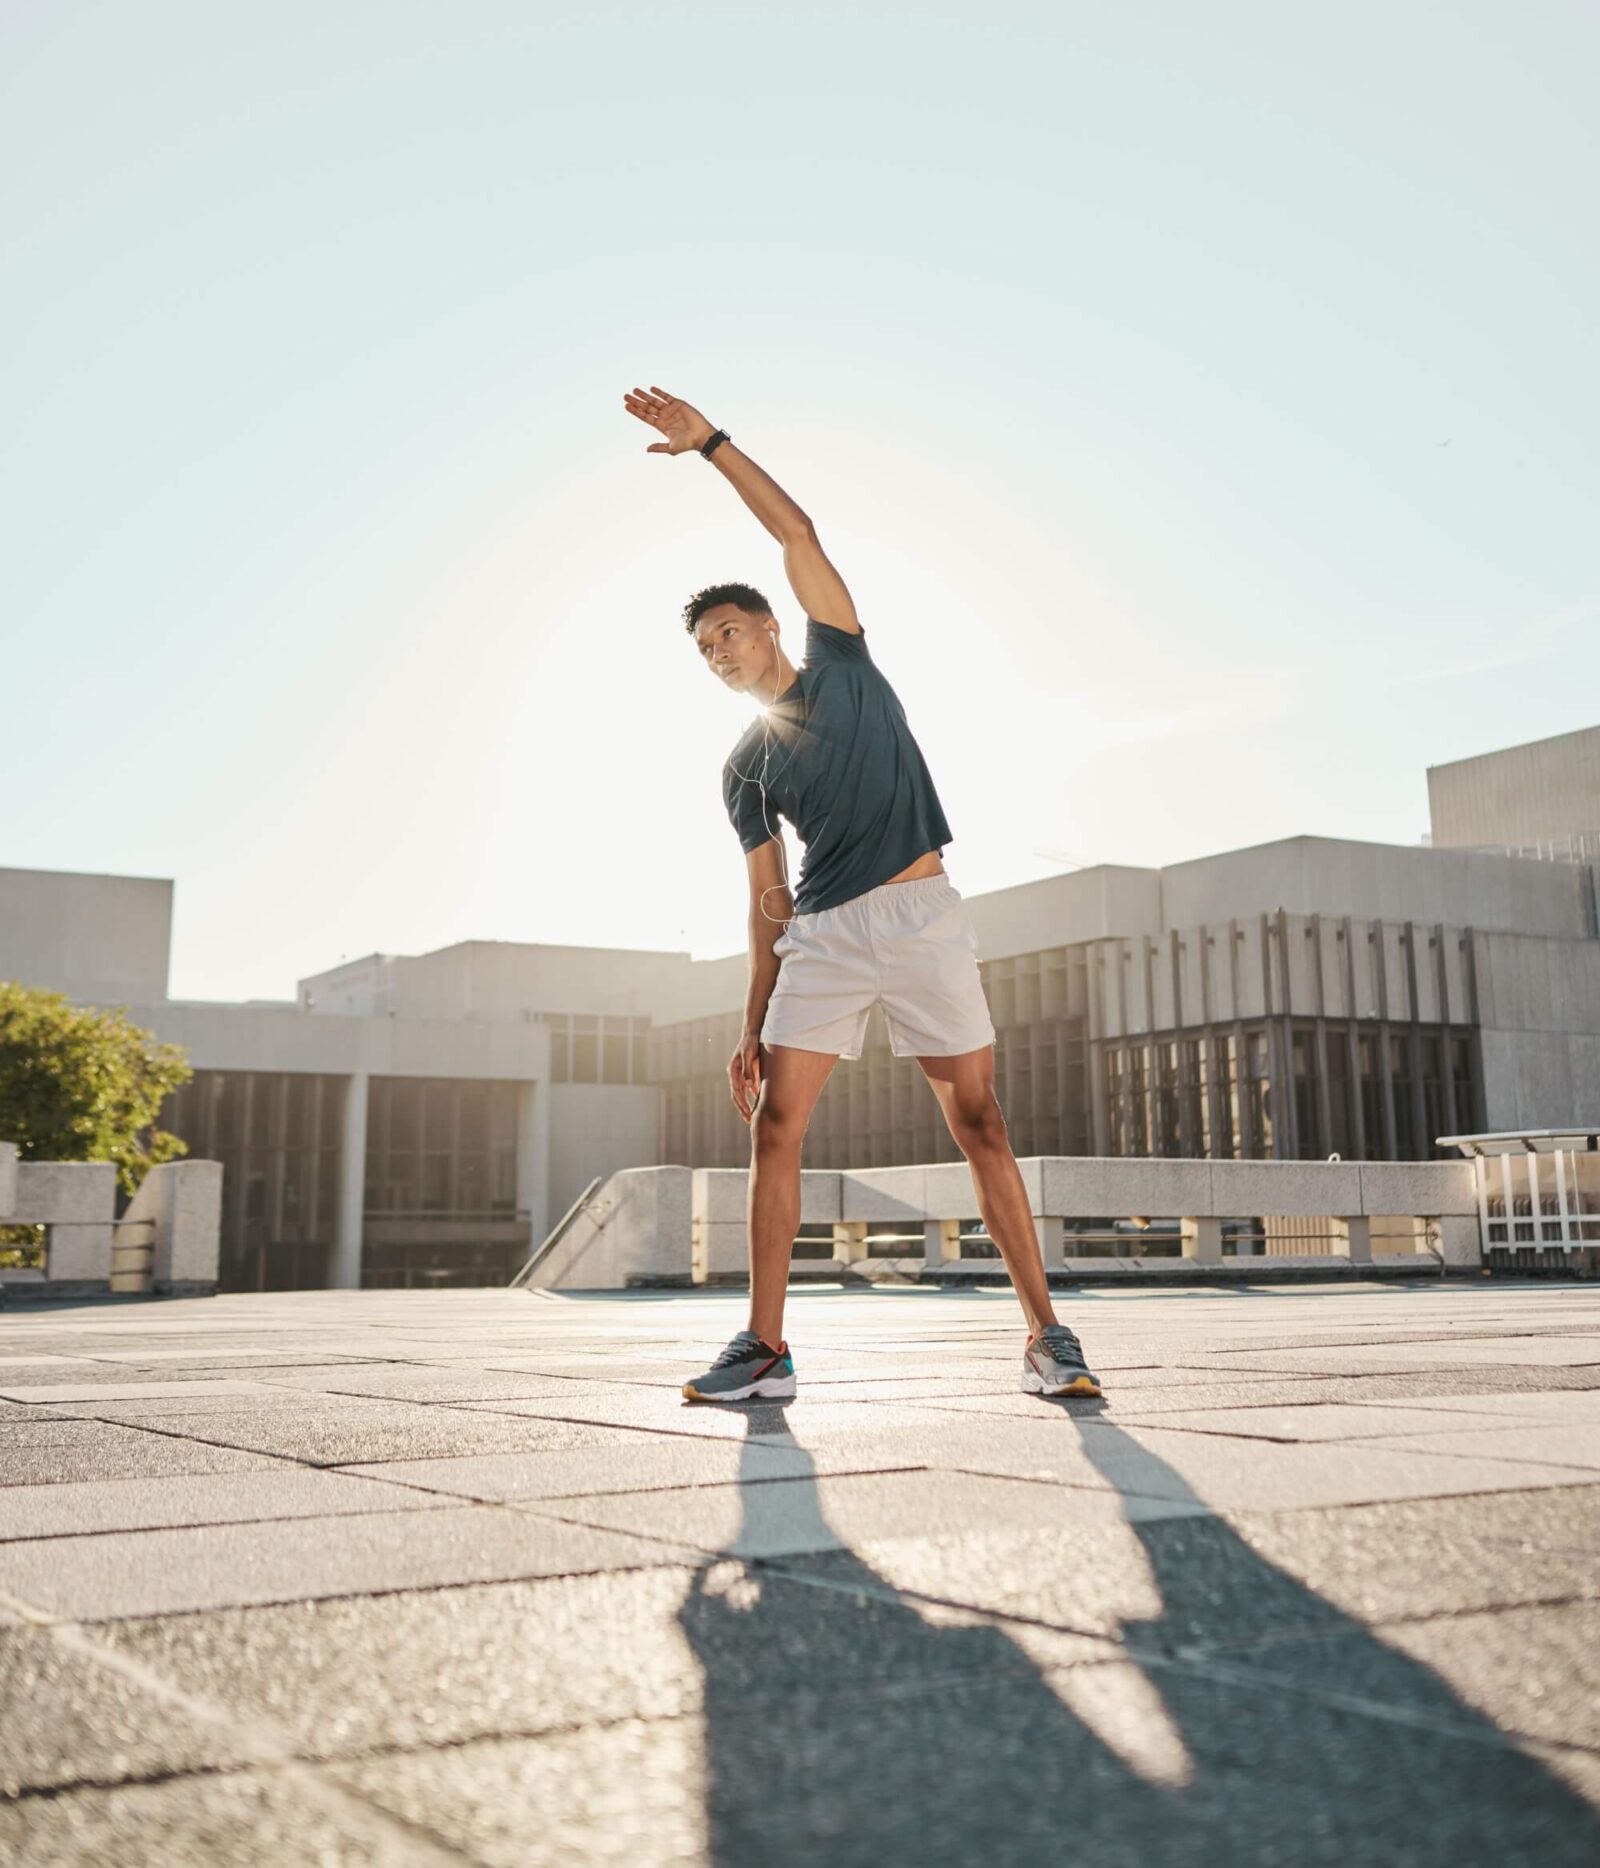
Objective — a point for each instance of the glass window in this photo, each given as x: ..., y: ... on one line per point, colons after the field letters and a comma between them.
x: 474, y: 1115
x: 1339, y: 1140
x: 438, y: 1117
x: 1405, y: 1136
x: 334, y: 1090
x: 585, y: 1057
x: 405, y: 1108
x: 1371, y: 1097
x: 436, y: 1183
x: 504, y: 1099
x: 1303, y: 1053
x: 616, y: 1058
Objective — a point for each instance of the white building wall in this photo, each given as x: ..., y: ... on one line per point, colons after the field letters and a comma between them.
x: 1544, y: 791
x: 598, y: 1128
x: 101, y: 939
x: 1379, y: 881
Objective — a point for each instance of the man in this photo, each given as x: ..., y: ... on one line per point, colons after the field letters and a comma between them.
x: 875, y: 919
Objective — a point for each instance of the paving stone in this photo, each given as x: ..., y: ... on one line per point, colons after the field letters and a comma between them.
x: 1567, y: 1443
x: 785, y: 1516
x: 1555, y: 1404
x: 1326, y: 1421
x: 1417, y: 1557
x: 634, y: 1463
x: 444, y: 1665
x: 997, y: 1770
x: 177, y: 1404
x: 224, y: 1566
x: 1196, y: 1621
x: 247, y: 1820
x: 34, y: 1511
x: 352, y: 1430
x: 122, y: 1387
x: 67, y: 1720
x: 76, y: 1451
x: 1507, y: 1664
x: 1377, y: 1359
x: 658, y: 1412
x: 415, y: 1382
x: 1191, y: 1389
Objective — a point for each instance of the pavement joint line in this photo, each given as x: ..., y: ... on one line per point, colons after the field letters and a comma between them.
x: 1320, y: 1631
x: 225, y: 1524
x: 268, y: 1744
x: 1490, y: 1735
x: 686, y: 1557
x: 1204, y: 1661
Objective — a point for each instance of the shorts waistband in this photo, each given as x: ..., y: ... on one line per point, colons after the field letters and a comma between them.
x: 887, y: 892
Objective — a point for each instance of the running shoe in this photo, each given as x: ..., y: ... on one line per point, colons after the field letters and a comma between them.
x: 747, y: 1370
x: 1053, y: 1364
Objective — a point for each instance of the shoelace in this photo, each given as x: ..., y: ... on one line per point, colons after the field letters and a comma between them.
x: 1061, y: 1345
x: 745, y: 1345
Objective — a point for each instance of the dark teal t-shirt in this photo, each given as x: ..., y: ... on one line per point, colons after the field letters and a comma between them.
x: 843, y: 769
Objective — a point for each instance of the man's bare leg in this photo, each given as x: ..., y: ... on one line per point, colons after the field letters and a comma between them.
x: 964, y: 1086
x: 791, y: 1082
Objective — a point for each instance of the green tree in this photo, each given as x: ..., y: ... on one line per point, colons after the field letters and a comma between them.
x: 78, y: 1083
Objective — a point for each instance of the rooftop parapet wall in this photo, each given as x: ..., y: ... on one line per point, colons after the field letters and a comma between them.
x: 1379, y: 881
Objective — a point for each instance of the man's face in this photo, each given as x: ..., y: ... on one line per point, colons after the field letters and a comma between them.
x: 737, y: 647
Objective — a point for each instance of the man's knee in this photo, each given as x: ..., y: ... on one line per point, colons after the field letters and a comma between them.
x: 978, y: 1122
x: 776, y: 1125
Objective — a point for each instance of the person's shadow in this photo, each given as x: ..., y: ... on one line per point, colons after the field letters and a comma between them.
x: 1247, y: 1720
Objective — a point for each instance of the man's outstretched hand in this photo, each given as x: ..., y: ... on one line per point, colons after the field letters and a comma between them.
x: 684, y: 427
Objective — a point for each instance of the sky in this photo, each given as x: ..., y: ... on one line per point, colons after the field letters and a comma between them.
x: 1200, y: 403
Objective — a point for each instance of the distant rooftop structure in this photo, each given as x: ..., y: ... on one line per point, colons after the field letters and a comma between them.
x: 1539, y: 799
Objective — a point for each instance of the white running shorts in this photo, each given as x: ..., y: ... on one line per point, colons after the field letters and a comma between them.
x: 910, y: 946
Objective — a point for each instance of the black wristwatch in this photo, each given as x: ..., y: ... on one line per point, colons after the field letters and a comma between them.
x: 714, y: 441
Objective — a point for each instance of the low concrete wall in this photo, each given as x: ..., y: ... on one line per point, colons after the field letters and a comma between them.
x: 178, y: 1210
x: 76, y: 1202
x: 634, y: 1232
x: 675, y: 1225
x: 183, y: 1202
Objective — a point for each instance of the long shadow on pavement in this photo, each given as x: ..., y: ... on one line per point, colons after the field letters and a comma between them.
x: 847, y: 1722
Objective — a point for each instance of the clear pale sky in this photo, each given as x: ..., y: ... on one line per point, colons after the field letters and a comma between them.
x: 1201, y: 403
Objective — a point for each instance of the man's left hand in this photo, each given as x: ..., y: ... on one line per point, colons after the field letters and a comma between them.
x: 684, y: 427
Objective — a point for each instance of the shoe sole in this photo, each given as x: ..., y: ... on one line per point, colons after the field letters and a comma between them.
x: 771, y: 1388
x: 1033, y: 1384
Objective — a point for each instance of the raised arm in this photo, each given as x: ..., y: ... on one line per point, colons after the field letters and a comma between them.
x: 818, y: 587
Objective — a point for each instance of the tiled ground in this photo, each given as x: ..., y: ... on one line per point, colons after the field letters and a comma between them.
x: 413, y: 1578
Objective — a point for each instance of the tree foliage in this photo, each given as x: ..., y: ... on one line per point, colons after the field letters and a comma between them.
x: 78, y: 1083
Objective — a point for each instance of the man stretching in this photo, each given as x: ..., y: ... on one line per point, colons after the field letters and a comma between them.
x: 875, y: 919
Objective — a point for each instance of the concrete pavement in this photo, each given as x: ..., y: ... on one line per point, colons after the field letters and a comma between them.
x: 417, y: 1578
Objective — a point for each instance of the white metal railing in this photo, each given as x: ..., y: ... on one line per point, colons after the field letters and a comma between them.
x: 1537, y: 1189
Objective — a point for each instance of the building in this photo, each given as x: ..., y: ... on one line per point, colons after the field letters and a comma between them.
x: 407, y: 1119
x: 1302, y: 999
x: 1543, y: 797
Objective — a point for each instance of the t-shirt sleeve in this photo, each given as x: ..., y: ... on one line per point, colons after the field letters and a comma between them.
x: 824, y: 643
x: 742, y: 796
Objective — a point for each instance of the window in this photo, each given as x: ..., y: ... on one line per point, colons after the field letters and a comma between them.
x: 585, y: 1050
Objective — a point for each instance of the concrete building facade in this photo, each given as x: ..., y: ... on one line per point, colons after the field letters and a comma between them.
x: 1543, y: 796
x: 1307, y: 998
x: 417, y: 1118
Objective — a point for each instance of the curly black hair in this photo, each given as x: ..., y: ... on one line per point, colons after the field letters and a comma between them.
x: 744, y: 596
